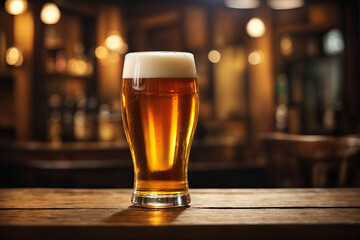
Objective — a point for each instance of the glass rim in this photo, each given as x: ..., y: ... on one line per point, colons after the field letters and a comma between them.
x: 159, y: 52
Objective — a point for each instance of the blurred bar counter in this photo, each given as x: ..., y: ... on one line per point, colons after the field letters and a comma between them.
x: 108, y: 164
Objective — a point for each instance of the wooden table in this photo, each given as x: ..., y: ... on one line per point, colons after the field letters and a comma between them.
x: 213, y: 214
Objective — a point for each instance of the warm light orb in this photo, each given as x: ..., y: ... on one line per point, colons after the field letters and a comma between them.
x: 114, y: 42
x: 255, y: 27
x: 16, y: 7
x: 14, y: 57
x: 285, y: 4
x: 77, y: 66
x: 255, y: 57
x: 50, y: 13
x: 214, y: 56
x: 286, y: 46
x: 242, y: 4
x: 101, y: 52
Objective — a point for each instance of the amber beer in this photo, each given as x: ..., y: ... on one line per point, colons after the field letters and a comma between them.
x: 160, y: 111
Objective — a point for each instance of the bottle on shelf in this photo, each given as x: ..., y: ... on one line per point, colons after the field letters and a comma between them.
x: 106, y: 129
x: 54, y: 125
x: 69, y: 108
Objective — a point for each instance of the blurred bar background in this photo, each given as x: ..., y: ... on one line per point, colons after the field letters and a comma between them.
x: 279, y: 90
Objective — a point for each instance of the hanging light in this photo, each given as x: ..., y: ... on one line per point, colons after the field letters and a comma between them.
x: 285, y: 4
x: 50, y: 13
x: 16, y: 7
x: 242, y: 4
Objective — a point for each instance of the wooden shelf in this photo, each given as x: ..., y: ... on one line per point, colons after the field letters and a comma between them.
x: 305, y: 28
x: 57, y: 75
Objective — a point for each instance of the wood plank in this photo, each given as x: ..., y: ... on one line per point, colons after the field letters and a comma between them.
x: 135, y: 216
x: 278, y: 198
x: 188, y: 223
x: 263, y: 232
x: 201, y: 198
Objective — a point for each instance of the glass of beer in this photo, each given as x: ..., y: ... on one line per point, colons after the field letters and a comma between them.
x: 159, y: 104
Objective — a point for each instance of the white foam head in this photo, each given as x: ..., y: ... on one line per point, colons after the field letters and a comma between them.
x: 159, y: 65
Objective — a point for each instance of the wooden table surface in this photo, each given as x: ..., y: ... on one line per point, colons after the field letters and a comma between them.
x: 213, y: 214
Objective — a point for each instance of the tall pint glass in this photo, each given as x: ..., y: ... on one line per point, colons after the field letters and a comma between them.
x: 159, y: 104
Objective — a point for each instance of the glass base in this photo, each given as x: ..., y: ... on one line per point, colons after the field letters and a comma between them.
x: 160, y: 200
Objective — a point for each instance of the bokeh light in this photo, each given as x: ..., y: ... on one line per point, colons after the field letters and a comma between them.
x: 14, y: 57
x: 78, y: 66
x: 50, y: 13
x: 286, y: 46
x: 333, y: 42
x: 256, y: 57
x: 214, y: 56
x: 16, y: 7
x: 114, y: 42
x: 255, y: 27
x: 101, y: 52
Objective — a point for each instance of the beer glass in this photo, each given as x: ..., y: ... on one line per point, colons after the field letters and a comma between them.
x: 159, y: 104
